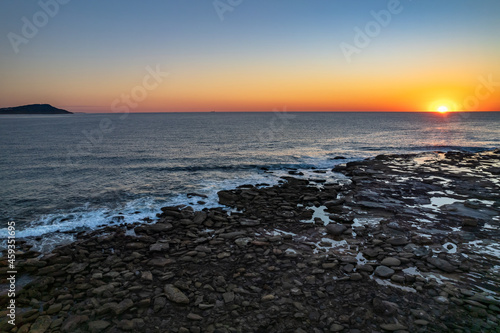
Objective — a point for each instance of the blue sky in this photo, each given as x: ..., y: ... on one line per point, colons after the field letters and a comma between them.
x: 101, y: 48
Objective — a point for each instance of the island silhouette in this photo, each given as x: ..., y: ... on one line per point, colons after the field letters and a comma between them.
x: 34, y: 109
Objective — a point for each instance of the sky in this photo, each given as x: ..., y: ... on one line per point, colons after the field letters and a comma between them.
x: 251, y: 55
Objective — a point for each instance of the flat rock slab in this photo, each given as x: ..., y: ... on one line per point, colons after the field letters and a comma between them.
x: 441, y: 264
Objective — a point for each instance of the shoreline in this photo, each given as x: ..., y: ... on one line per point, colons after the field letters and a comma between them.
x: 403, y: 245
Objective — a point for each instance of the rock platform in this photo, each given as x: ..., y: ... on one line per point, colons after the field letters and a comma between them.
x: 396, y: 243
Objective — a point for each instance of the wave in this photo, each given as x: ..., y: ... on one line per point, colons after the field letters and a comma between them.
x: 93, y: 215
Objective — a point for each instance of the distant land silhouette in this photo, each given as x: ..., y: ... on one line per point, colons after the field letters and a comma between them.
x: 34, y: 109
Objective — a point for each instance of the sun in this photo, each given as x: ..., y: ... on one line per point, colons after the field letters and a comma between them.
x: 443, y: 109
x: 443, y: 106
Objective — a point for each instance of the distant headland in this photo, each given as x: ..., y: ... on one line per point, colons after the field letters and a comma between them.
x: 33, y: 109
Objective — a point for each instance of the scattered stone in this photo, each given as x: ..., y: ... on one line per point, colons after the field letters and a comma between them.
x: 73, y: 322
x: 384, y: 272
x: 393, y: 327
x: 336, y: 229
x: 389, y: 261
x: 336, y: 328
x: 98, y: 326
x: 441, y: 264
x: 175, y: 295
x: 397, y: 241
x: 41, y: 325
x: 193, y: 316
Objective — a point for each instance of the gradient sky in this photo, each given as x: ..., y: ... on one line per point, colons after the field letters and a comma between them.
x: 264, y: 55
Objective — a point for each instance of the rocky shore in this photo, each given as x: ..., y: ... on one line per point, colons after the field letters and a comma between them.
x: 403, y: 243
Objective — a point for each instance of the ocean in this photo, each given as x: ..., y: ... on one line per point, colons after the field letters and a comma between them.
x: 77, y: 172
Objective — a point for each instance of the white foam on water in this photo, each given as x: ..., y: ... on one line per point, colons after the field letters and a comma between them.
x: 84, y: 218
x: 51, y: 227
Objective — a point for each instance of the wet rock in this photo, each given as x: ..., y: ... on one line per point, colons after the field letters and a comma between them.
x: 384, y: 272
x: 227, y: 198
x: 364, y: 268
x: 199, y: 217
x: 441, y: 264
x: 249, y: 222
x: 356, y: 277
x: 336, y: 229
x: 397, y: 241
x: 389, y: 261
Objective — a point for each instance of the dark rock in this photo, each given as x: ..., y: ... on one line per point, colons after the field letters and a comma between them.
x: 397, y: 241
x: 336, y: 229
x: 384, y: 271
x: 249, y: 222
x: 441, y: 264
x: 73, y: 322
x: 98, y: 326
x: 226, y: 198
x: 123, y: 306
x: 389, y: 261
x: 175, y: 295
x: 41, y: 324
